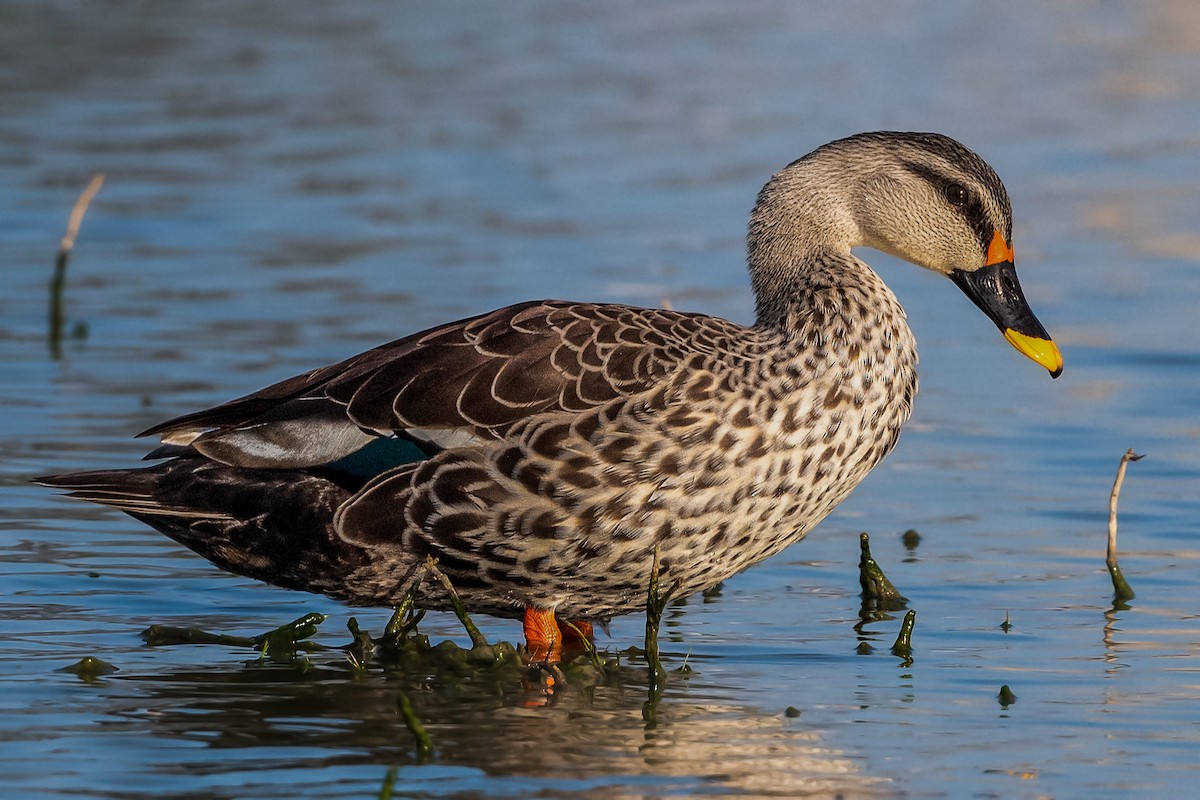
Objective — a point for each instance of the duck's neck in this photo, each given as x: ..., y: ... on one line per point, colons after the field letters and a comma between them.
x: 809, y: 288
x: 798, y: 245
x: 788, y: 294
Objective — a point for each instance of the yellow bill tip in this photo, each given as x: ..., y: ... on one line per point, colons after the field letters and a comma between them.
x: 1043, y: 351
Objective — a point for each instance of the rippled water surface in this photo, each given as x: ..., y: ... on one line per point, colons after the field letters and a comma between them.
x: 288, y: 185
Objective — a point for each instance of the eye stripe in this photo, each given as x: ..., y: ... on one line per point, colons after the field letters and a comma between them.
x: 972, y: 210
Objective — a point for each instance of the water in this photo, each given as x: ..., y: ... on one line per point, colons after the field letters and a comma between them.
x: 288, y: 186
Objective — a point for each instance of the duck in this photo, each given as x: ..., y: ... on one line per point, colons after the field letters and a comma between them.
x: 549, y: 453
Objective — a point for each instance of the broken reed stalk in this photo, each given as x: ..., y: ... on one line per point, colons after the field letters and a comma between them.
x: 1121, y: 587
x: 166, y: 635
x: 401, y: 624
x: 77, y: 211
x: 284, y: 639
x: 424, y: 744
x: 389, y: 784
x: 903, y: 644
x: 589, y: 647
x: 654, y: 609
x: 460, y: 611
x: 878, y: 593
x: 58, y: 282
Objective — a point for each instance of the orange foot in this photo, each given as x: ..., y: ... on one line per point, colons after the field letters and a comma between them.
x: 576, y: 636
x: 543, y: 640
x: 547, y: 637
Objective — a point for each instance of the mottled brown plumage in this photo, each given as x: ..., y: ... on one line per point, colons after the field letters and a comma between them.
x: 553, y: 446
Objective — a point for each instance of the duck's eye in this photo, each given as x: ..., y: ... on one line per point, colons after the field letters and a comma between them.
x: 956, y: 194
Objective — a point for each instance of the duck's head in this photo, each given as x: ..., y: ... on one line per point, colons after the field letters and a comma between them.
x: 927, y: 199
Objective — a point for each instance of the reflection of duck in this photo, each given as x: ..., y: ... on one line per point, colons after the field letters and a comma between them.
x: 542, y: 452
x: 246, y: 726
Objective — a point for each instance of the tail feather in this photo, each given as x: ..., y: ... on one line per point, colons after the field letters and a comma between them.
x: 131, y: 491
x: 271, y: 525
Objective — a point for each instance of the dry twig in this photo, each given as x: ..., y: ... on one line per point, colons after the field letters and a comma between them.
x: 77, y: 211
x: 1120, y: 585
x: 58, y: 282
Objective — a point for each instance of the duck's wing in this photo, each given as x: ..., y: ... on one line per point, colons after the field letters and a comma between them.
x: 466, y: 381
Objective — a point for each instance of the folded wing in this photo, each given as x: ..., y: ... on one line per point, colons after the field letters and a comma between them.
x: 464, y: 382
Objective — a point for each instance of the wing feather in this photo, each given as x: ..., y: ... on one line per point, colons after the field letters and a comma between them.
x: 484, y: 374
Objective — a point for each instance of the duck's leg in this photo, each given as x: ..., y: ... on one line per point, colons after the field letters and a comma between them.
x: 542, y: 636
x: 576, y: 635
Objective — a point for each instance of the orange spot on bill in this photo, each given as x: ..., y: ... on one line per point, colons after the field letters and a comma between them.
x: 999, y: 250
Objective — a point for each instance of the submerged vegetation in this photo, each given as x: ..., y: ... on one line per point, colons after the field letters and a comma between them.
x: 402, y: 651
x: 419, y: 675
x: 283, y: 641
x: 903, y: 645
x: 89, y: 668
x: 878, y: 593
x: 655, y: 603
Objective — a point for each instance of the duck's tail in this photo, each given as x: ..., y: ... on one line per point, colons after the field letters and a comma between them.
x: 272, y: 525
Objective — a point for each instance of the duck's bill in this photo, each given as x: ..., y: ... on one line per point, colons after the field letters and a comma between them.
x: 997, y: 292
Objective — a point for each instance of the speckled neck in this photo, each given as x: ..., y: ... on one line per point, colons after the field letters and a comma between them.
x: 799, y: 239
